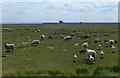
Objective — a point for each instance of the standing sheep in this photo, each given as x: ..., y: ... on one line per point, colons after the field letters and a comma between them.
x: 9, y: 47
x: 75, y: 58
x: 90, y: 52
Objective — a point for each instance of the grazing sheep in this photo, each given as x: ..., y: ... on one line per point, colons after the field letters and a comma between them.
x: 85, y: 45
x: 101, y: 54
x: 67, y: 38
x: 99, y: 47
x: 35, y: 42
x: 75, y: 58
x: 107, y: 44
x: 90, y: 52
x: 42, y: 37
x: 77, y: 44
x: 111, y: 42
x: 113, y: 49
x: 9, y: 47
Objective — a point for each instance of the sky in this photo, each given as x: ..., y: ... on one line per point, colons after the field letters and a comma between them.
x: 52, y: 11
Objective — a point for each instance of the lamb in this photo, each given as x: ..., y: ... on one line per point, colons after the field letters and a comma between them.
x: 85, y: 45
x: 91, y: 59
x: 35, y: 42
x: 9, y: 47
x: 99, y: 47
x: 101, y: 54
x: 111, y: 42
x: 113, y: 49
x: 67, y: 38
x: 75, y: 58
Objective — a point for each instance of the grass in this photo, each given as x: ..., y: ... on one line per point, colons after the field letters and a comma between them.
x: 57, y: 61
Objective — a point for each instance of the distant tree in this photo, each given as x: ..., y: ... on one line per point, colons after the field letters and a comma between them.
x: 81, y: 22
x: 60, y: 21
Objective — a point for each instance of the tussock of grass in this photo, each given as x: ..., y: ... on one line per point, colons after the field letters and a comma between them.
x: 82, y: 71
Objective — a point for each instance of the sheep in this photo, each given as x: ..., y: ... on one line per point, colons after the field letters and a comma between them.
x: 42, y: 37
x: 67, y: 38
x: 28, y: 37
x: 38, y: 30
x: 99, y: 47
x: 107, y: 44
x: 91, y: 59
x: 85, y: 45
x: 9, y: 47
x: 75, y: 58
x: 101, y: 54
x: 90, y: 52
x: 97, y: 40
x: 111, y: 42
x: 113, y: 49
x: 35, y: 42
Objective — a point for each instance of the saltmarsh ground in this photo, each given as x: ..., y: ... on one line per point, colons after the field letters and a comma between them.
x: 42, y: 61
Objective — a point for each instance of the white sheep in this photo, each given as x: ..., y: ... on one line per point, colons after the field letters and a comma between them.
x: 85, y: 45
x: 9, y: 47
x: 101, y: 54
x: 35, y: 42
x: 90, y: 52
x: 42, y: 37
x: 99, y: 47
x: 67, y: 38
x: 75, y: 58
x: 38, y: 30
x: 91, y: 59
x: 111, y: 42
x: 28, y: 37
x: 113, y: 49
x: 107, y: 44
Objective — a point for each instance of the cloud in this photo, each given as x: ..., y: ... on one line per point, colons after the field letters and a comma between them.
x: 54, y: 11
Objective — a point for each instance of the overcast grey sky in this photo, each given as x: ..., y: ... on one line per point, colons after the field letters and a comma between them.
x: 46, y: 11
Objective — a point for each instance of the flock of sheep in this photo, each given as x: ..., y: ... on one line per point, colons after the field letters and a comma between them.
x: 91, y: 54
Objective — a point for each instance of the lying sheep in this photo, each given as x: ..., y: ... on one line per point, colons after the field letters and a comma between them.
x: 85, y: 45
x: 42, y: 37
x: 101, y: 54
x: 9, y: 47
x: 107, y: 44
x: 35, y: 42
x: 99, y: 47
x: 113, y: 49
x: 111, y: 42
x: 67, y: 38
